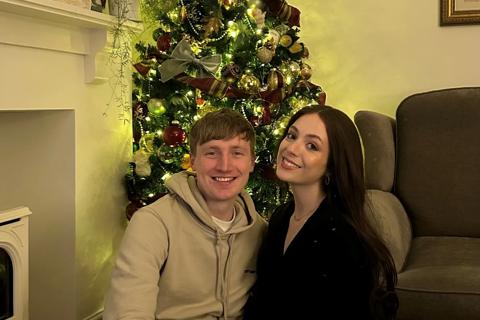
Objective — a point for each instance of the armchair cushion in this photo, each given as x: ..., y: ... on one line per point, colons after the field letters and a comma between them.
x: 441, y: 277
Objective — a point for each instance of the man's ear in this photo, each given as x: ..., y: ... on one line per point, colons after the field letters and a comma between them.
x: 252, y: 166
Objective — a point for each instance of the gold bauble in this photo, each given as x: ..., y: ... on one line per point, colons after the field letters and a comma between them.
x: 285, y: 69
x: 285, y: 41
x: 186, y: 162
x: 294, y: 68
x: 249, y: 83
x: 264, y: 54
x: 306, y: 71
x: 274, y: 80
x: 296, y: 47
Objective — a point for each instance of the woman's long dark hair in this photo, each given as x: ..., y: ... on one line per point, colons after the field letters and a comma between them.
x: 346, y: 190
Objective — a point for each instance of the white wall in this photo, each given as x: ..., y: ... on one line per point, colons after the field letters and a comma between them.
x: 42, y: 65
x: 371, y: 54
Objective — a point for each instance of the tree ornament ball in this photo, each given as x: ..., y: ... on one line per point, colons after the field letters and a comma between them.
x: 173, y: 135
x: 285, y: 41
x: 164, y: 42
x: 274, y: 80
x: 306, y: 71
x: 306, y: 53
x: 296, y: 47
x: 286, y: 71
x: 294, y: 68
x: 186, y: 164
x: 249, y: 83
x: 156, y: 106
x: 264, y: 54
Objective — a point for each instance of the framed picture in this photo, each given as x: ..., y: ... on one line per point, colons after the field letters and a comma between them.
x: 459, y: 12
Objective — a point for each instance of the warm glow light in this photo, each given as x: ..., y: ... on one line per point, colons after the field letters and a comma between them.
x: 232, y: 29
x: 173, y: 15
x: 159, y: 132
x: 147, y: 119
x: 166, y: 176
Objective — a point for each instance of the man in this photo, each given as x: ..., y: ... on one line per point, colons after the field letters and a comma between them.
x: 192, y: 254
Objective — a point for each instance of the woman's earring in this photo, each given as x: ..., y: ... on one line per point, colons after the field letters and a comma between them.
x: 326, y: 179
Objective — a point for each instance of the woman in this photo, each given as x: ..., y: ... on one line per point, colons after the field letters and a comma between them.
x: 321, y: 259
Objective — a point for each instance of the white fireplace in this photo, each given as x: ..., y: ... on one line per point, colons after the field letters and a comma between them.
x: 63, y: 151
x: 14, y: 263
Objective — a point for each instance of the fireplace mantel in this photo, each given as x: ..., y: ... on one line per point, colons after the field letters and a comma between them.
x: 82, y: 31
x: 66, y: 149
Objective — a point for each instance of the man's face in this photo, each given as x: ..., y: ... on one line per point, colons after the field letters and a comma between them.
x: 223, y: 168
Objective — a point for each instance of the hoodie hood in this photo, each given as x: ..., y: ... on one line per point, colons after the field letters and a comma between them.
x: 184, y: 186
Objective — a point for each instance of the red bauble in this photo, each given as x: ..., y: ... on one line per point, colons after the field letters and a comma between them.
x: 173, y: 135
x: 164, y: 42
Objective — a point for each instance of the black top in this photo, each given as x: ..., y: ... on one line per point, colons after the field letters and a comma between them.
x: 322, y: 275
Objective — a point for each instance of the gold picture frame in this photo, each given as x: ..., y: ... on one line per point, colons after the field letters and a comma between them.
x: 459, y: 12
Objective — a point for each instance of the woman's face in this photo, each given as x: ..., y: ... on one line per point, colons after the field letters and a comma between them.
x: 303, y: 153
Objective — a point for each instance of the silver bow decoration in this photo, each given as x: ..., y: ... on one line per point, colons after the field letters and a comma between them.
x: 181, y: 57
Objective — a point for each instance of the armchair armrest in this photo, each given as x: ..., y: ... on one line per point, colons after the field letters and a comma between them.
x: 391, y: 222
x: 378, y: 137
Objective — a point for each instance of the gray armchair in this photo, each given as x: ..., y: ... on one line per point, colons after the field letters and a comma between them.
x: 423, y: 175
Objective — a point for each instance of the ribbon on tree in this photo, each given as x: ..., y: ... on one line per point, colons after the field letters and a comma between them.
x: 181, y: 57
x: 212, y: 86
x: 221, y: 89
x: 284, y: 11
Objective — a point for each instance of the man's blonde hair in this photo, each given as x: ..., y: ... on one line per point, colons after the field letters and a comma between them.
x: 219, y: 125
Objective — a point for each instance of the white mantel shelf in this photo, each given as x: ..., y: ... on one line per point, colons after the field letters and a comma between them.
x: 93, y: 27
x: 60, y: 12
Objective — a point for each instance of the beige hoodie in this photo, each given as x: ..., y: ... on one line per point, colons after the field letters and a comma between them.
x: 176, y: 263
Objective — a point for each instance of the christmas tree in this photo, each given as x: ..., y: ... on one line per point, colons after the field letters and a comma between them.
x: 211, y: 54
